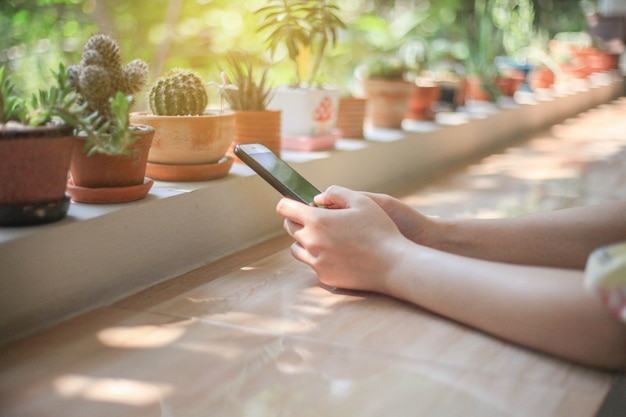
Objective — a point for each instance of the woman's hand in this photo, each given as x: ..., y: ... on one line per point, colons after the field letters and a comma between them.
x: 352, y: 244
x: 411, y: 223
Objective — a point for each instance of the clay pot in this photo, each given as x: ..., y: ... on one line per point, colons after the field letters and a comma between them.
x: 33, y: 172
x: 106, y: 179
x: 474, y: 90
x: 541, y: 78
x: 100, y: 170
x: 188, y: 139
x: 257, y: 127
x: 351, y: 117
x: 508, y: 84
x: 189, y: 148
x: 388, y: 101
x: 421, y: 103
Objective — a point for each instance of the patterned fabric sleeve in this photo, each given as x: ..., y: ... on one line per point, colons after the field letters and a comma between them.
x: 605, y: 274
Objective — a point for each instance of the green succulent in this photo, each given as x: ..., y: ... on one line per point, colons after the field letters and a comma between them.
x: 253, y: 93
x: 179, y: 93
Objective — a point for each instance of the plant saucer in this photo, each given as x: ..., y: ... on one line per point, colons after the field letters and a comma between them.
x: 191, y: 172
x: 109, y: 195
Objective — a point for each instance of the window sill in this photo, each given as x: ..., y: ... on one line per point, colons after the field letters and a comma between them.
x: 99, y: 254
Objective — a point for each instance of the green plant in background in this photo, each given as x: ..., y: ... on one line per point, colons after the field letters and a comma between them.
x: 106, y: 89
x: 515, y: 18
x: 179, y: 93
x: 253, y: 91
x: 306, y: 27
x: 484, y: 44
x: 388, y: 68
x: 56, y: 103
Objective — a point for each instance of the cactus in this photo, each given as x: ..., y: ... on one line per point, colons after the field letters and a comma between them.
x: 179, y: 93
x: 100, y: 75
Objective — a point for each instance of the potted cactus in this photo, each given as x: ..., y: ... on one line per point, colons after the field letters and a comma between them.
x: 110, y: 166
x: 36, y: 141
x: 306, y: 28
x: 190, y: 143
x: 254, y: 122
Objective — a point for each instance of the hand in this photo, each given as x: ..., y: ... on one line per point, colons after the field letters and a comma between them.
x: 352, y: 244
x: 412, y: 224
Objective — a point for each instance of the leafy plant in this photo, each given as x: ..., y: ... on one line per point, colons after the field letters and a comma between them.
x: 495, y: 27
x: 253, y: 92
x: 58, y: 103
x: 305, y: 27
x: 392, y: 68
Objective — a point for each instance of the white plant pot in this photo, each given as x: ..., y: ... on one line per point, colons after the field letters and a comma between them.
x: 306, y: 112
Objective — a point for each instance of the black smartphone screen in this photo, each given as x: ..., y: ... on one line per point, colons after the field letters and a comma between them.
x: 277, y: 172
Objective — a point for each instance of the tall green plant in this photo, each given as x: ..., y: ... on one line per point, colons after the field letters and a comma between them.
x: 301, y: 25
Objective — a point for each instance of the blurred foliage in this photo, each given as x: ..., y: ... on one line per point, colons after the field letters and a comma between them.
x: 35, y: 35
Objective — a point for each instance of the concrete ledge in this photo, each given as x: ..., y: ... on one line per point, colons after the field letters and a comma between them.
x: 99, y: 254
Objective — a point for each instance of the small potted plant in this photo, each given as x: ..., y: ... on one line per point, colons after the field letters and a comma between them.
x: 36, y: 141
x: 306, y: 28
x: 190, y: 143
x: 254, y: 122
x: 426, y: 92
x: 483, y: 45
x: 109, y: 160
x: 388, y: 92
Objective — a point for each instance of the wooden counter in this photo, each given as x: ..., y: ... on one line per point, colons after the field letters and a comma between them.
x: 254, y: 334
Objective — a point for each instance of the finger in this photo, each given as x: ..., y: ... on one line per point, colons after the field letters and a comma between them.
x: 291, y: 227
x: 292, y: 210
x: 301, y: 254
x: 335, y: 197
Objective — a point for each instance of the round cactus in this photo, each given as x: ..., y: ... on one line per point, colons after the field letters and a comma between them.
x: 100, y: 75
x: 179, y: 93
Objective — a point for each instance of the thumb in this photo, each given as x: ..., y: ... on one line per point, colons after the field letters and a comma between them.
x: 336, y: 197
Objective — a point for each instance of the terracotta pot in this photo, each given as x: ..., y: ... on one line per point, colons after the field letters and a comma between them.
x: 595, y: 60
x: 422, y: 101
x: 474, y: 90
x: 257, y: 127
x: 351, y: 117
x: 101, y: 178
x: 33, y: 174
x: 508, y: 84
x: 574, y: 70
x: 541, y: 78
x: 188, y: 140
x: 388, y: 101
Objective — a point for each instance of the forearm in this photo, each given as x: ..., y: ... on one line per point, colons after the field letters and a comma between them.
x: 562, y: 238
x: 542, y: 308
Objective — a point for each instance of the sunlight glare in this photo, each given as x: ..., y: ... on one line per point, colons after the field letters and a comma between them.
x: 113, y: 390
x: 136, y: 337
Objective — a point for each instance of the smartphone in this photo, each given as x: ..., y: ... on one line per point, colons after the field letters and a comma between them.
x: 277, y: 172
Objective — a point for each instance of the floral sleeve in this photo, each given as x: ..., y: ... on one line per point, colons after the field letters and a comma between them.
x: 605, y: 274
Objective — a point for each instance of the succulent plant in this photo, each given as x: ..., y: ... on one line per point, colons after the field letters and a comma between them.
x: 100, y: 75
x: 179, y: 93
x: 253, y: 91
x: 55, y: 105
